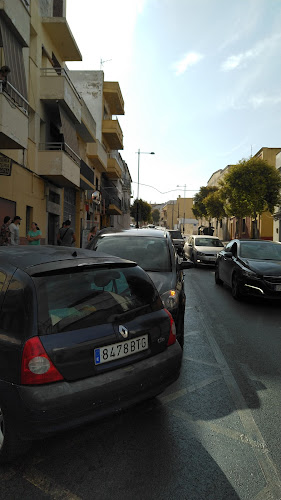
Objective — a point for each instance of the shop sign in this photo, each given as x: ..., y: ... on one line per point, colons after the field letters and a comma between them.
x: 5, y: 166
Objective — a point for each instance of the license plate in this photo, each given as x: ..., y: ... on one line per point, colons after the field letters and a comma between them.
x: 121, y: 350
x: 278, y: 288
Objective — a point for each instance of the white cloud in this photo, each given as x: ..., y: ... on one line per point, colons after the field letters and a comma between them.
x: 259, y: 100
x: 189, y: 59
x: 241, y: 59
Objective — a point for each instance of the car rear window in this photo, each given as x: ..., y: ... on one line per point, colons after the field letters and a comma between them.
x: 176, y: 235
x: 152, y: 254
x: 71, y: 300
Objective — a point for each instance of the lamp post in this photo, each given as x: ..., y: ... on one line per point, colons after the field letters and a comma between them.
x: 138, y: 191
x: 183, y: 204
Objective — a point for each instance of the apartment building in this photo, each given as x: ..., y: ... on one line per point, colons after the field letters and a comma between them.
x: 177, y: 214
x: 53, y: 153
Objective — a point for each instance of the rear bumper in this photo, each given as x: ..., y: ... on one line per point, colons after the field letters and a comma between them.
x: 40, y: 411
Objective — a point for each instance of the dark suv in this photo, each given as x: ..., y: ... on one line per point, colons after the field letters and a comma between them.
x: 153, y: 250
x: 177, y: 240
x: 71, y: 323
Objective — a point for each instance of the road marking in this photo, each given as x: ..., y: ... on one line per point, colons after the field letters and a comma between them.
x: 43, y: 483
x: 193, y: 332
x: 267, y: 466
x: 201, y: 361
x: 191, y: 388
x: 265, y: 494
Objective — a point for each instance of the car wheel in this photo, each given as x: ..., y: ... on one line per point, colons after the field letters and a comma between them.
x: 235, y: 289
x: 217, y: 277
x: 11, y: 445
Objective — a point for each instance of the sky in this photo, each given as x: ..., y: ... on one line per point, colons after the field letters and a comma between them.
x: 200, y: 79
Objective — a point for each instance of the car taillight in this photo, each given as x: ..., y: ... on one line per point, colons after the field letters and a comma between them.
x: 172, y: 337
x: 36, y: 366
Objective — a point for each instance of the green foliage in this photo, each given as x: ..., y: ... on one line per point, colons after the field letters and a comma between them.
x: 155, y: 216
x: 199, y: 207
x: 214, y: 205
x: 144, y: 210
x: 250, y: 188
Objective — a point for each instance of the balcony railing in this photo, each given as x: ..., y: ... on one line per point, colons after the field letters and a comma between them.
x: 15, y: 96
x: 60, y: 146
x: 60, y: 72
x: 118, y: 158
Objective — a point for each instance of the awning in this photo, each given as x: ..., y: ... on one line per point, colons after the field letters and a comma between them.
x: 14, y: 59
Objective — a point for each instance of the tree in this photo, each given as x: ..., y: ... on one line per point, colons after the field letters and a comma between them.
x: 144, y: 210
x: 214, y: 205
x: 199, y: 207
x: 250, y: 188
x: 155, y: 216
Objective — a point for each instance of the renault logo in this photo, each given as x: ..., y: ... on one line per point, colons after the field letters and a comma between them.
x: 123, y: 331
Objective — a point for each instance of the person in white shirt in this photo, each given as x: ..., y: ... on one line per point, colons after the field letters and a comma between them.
x: 15, y: 230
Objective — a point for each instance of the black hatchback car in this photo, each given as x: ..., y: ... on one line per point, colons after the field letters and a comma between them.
x: 82, y: 335
x: 154, y: 251
x: 250, y: 267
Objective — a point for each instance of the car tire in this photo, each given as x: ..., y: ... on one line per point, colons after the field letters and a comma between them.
x: 217, y: 277
x: 11, y: 445
x: 235, y: 289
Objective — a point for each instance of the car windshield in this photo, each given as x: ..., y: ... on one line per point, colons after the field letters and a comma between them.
x: 208, y: 242
x: 79, y: 299
x: 260, y: 250
x: 152, y: 254
x: 176, y: 235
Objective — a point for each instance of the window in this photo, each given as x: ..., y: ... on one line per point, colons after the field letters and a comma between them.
x: 29, y: 217
x: 243, y: 225
x: 73, y: 299
x: 2, y: 279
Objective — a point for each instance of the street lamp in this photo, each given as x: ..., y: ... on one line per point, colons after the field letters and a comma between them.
x: 138, y: 192
x: 183, y: 205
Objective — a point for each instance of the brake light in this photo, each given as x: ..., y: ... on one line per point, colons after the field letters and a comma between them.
x: 36, y: 366
x: 172, y: 337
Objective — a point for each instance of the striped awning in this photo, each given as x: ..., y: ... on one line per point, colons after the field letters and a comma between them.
x: 13, y: 58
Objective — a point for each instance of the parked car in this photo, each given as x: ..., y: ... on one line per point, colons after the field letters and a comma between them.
x: 250, y: 267
x: 202, y: 249
x: 177, y: 240
x: 153, y: 250
x: 82, y: 335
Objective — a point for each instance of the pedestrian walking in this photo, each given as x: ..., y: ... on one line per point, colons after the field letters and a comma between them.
x: 5, y: 234
x: 66, y: 236
x: 92, y: 233
x: 34, y: 235
x: 15, y: 230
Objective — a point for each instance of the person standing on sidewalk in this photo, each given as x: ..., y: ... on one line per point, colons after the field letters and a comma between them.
x: 34, y: 235
x: 66, y: 236
x: 15, y: 230
x: 5, y: 235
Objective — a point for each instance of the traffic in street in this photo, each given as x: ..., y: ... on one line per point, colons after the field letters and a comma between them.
x: 213, y: 434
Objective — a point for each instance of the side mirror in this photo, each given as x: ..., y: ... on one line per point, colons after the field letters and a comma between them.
x: 228, y: 255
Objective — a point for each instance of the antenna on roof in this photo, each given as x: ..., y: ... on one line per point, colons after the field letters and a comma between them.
x: 102, y: 62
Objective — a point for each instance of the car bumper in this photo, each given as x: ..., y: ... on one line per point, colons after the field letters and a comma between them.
x: 39, y: 411
x: 207, y: 260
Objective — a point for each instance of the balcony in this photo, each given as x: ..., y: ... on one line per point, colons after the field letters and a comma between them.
x: 61, y: 36
x: 59, y: 163
x: 111, y: 201
x: 13, y: 118
x: 56, y: 86
x: 113, y: 96
x: 97, y: 154
x: 113, y: 134
x: 16, y: 14
x: 114, y: 168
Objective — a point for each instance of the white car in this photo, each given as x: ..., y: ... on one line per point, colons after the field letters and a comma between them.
x: 202, y: 249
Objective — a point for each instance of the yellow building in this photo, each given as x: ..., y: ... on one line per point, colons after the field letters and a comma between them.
x: 177, y: 214
x: 54, y: 152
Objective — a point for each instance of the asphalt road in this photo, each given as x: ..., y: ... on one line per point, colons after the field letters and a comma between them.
x: 214, y: 434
